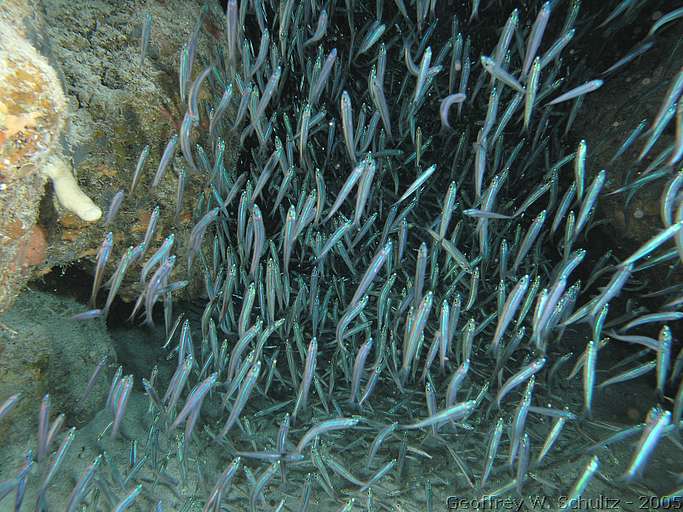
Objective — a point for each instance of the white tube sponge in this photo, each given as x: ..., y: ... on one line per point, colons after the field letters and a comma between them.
x: 69, y: 195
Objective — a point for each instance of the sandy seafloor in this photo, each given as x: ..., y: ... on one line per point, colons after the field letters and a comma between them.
x: 453, y: 470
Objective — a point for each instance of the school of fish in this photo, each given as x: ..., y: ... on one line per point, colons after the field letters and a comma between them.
x: 389, y: 270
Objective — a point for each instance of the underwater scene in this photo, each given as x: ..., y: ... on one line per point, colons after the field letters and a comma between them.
x: 326, y: 255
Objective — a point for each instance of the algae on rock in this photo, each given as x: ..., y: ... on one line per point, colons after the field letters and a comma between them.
x: 44, y: 352
x: 93, y: 132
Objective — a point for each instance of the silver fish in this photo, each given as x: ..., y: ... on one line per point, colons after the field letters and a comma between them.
x: 371, y: 272
x: 514, y: 299
x: 453, y: 413
x: 520, y: 377
x: 417, y: 183
x: 242, y: 397
x: 347, y: 125
x: 582, y: 89
x: 589, y: 374
x: 497, y: 72
x: 535, y: 36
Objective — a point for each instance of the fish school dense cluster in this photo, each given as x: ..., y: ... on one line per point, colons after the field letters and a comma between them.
x: 389, y: 269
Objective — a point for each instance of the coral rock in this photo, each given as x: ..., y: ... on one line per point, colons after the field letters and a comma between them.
x: 32, y: 109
